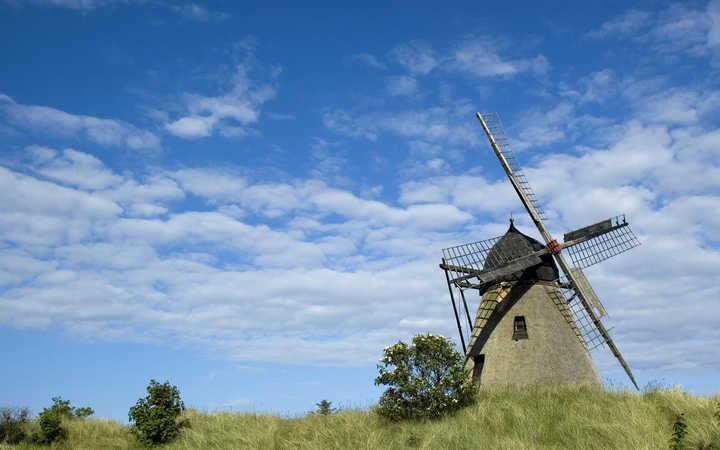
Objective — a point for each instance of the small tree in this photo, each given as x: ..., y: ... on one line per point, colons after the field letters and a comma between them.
x: 51, y: 428
x: 428, y: 379
x: 50, y: 420
x: 324, y: 408
x: 12, y: 425
x: 155, y: 416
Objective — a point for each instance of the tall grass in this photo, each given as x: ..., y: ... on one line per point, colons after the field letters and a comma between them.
x: 538, y: 418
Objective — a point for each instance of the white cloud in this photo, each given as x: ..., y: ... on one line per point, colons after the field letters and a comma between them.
x: 193, y: 11
x: 46, y: 120
x: 595, y: 87
x: 192, y: 127
x: 443, y: 124
x: 74, y: 168
x: 678, y: 28
x: 416, y: 57
x: 370, y: 60
x: 480, y: 59
x: 230, y: 113
x: 542, y: 128
x: 630, y: 22
x: 78, y: 4
x: 678, y: 105
x: 401, y: 85
x: 29, y: 195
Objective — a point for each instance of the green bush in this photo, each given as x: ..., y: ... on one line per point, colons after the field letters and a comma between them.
x: 324, y: 408
x: 51, y: 429
x: 12, y: 425
x: 155, y: 417
x: 84, y: 412
x: 428, y: 379
x: 49, y: 421
x: 62, y: 408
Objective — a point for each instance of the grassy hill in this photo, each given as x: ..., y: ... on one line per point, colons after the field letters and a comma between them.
x: 541, y: 418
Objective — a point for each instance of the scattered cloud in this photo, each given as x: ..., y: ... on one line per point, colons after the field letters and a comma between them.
x: 51, y: 121
x: 630, y: 22
x: 168, y: 273
x: 84, y: 5
x: 595, y: 87
x: 446, y: 124
x: 678, y: 28
x: 370, y: 60
x: 193, y: 11
x: 401, y: 85
x: 416, y: 57
x: 229, y: 114
x: 73, y: 168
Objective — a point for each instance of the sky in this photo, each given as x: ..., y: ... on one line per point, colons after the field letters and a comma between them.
x: 250, y: 201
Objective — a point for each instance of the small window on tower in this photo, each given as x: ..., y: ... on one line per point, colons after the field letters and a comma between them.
x: 519, y: 328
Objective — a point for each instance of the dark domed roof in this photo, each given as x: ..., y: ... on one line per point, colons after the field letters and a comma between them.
x: 513, y: 245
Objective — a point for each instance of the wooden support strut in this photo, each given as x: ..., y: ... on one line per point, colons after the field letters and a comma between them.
x: 457, y: 318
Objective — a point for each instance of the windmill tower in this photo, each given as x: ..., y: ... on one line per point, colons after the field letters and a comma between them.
x: 538, y: 317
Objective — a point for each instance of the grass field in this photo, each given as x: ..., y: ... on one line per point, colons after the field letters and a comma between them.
x: 539, y: 418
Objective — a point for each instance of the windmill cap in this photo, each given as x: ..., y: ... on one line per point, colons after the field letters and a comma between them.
x: 515, y: 244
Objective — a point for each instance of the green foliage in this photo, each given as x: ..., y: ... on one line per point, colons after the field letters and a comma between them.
x: 62, y: 409
x: 679, y: 431
x: 49, y: 421
x: 51, y: 429
x: 84, y: 412
x: 324, y: 408
x: 717, y: 412
x: 155, y: 417
x: 12, y: 425
x: 427, y: 379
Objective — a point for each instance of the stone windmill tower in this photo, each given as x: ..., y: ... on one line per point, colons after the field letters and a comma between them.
x: 538, y: 317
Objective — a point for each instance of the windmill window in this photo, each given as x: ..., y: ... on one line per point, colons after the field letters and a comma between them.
x: 519, y: 328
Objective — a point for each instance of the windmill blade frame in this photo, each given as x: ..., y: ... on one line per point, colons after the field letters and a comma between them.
x: 523, y: 190
x: 596, y: 243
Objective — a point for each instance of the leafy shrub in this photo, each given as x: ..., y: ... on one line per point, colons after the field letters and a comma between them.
x: 84, y: 412
x: 50, y: 420
x: 51, y: 429
x: 679, y: 430
x: 428, y: 380
x: 324, y: 408
x: 155, y: 416
x: 12, y: 425
x: 62, y: 408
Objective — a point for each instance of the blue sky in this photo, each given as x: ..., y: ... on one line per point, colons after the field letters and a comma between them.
x: 250, y: 201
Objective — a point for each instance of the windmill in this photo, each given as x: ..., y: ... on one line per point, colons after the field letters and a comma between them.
x: 535, y: 324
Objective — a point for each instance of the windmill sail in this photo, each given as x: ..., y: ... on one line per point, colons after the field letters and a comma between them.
x: 598, y: 242
x: 529, y: 201
x: 493, y: 125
